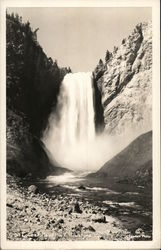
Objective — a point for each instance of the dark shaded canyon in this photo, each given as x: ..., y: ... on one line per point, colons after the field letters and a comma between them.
x: 33, y: 83
x: 33, y: 79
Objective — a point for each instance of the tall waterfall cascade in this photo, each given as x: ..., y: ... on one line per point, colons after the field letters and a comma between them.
x: 77, y: 112
x: 72, y: 126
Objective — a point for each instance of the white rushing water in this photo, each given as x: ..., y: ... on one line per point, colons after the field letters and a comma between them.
x: 72, y: 127
x: 77, y: 112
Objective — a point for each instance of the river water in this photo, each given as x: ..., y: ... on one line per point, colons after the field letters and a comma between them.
x: 132, y: 208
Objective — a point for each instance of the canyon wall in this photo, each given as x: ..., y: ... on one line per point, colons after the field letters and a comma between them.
x: 125, y: 80
x: 32, y: 85
x: 33, y: 79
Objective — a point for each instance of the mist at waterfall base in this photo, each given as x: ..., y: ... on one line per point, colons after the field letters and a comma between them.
x: 71, y: 137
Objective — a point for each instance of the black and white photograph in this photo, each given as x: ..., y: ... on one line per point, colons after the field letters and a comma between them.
x: 81, y: 138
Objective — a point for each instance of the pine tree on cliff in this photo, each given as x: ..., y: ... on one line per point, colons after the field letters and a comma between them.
x: 108, y: 56
x: 100, y: 62
x: 29, y: 73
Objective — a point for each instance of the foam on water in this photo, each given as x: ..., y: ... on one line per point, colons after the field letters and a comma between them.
x: 61, y: 179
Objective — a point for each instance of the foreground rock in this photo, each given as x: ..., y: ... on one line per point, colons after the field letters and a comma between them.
x: 40, y: 217
x: 100, y: 219
x: 33, y: 189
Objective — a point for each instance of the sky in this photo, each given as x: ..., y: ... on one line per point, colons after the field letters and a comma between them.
x: 79, y: 37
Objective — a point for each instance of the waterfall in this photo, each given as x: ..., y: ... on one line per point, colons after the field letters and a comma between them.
x: 72, y: 126
x: 77, y: 112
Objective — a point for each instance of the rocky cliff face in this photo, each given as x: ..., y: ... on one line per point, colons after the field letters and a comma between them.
x: 124, y: 81
x: 33, y: 82
x: 33, y: 79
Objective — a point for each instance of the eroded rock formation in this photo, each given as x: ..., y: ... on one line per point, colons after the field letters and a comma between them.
x: 124, y: 81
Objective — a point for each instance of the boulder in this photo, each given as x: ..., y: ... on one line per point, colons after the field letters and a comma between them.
x: 82, y: 187
x: 33, y: 189
x: 77, y: 208
x: 90, y: 228
x: 99, y: 219
x: 139, y: 231
x: 61, y: 221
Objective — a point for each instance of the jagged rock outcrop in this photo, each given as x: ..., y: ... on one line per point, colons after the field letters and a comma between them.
x: 33, y: 82
x: 124, y: 81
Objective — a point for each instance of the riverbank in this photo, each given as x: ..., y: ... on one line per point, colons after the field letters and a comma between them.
x: 37, y: 216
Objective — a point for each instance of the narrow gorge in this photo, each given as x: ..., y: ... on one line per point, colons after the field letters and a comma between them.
x: 79, y: 144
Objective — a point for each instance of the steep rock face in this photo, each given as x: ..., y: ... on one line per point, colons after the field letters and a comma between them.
x: 33, y: 79
x: 131, y: 165
x: 125, y: 83
x: 26, y: 154
x: 99, y: 121
x: 33, y: 82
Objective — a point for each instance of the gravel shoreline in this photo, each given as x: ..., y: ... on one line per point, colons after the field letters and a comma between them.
x: 35, y: 216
